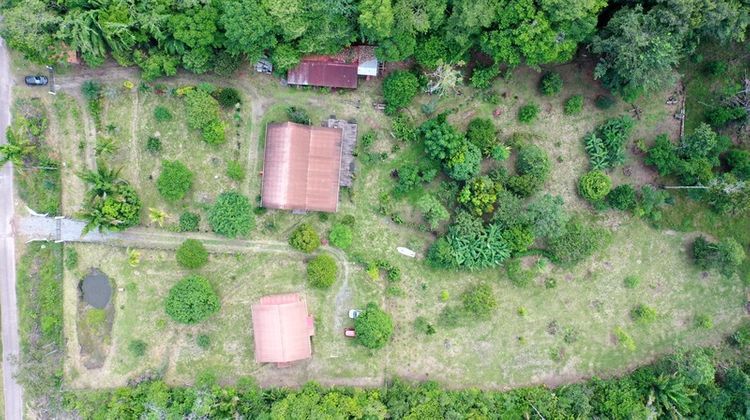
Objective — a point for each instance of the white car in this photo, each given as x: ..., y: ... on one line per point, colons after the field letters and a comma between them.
x: 354, y: 313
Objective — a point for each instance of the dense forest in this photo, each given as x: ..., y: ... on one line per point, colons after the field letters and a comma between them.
x: 639, y: 42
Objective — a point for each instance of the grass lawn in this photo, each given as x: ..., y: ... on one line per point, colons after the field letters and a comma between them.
x: 505, y: 350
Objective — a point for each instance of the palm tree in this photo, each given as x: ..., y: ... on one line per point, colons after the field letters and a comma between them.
x: 134, y: 257
x: 157, y: 216
x: 103, y: 181
x: 671, y: 395
x: 15, y: 150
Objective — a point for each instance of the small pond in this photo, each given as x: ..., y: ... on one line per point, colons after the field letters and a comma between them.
x: 96, y: 289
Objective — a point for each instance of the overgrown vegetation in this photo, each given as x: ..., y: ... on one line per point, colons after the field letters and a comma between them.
x: 191, y: 300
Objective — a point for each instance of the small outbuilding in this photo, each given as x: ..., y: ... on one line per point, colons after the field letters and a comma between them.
x: 282, y: 329
x: 335, y: 71
x: 301, y: 169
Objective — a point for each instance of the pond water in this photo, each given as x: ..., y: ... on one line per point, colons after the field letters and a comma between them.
x: 96, y: 289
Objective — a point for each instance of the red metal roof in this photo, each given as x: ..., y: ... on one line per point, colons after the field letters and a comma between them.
x: 325, y: 72
x: 282, y: 329
x: 301, y: 167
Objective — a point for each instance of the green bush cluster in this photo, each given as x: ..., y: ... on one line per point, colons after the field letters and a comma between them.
x: 191, y: 300
x: 341, y: 235
x: 304, y: 238
x: 111, y: 203
x: 643, y: 314
x: 192, y: 254
x: 479, y: 300
x: 203, y: 114
x: 622, y: 197
x: 298, y: 115
x: 550, y: 84
x: 231, y: 215
x: 153, y: 144
x: 606, y: 145
x: 573, y: 105
x: 373, y: 326
x: 322, y: 271
x: 532, y: 168
x: 203, y: 341
x: 481, y: 78
x: 137, y: 348
x: 594, y: 186
x: 399, y: 88
x: 227, y: 97
x: 189, y: 222
x: 725, y: 256
x: 528, y: 113
x: 162, y: 114
x: 235, y: 170
x: 175, y: 180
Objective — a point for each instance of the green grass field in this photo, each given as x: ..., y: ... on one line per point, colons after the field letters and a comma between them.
x: 506, y: 350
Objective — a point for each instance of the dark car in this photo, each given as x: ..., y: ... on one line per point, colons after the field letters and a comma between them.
x: 36, y: 80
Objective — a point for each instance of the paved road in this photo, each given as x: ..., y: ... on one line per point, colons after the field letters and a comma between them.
x: 8, y: 304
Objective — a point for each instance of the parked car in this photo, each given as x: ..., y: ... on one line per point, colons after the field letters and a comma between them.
x: 36, y: 80
x: 354, y: 313
x: 349, y: 332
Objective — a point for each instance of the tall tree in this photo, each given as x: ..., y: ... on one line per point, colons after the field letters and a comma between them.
x: 34, y: 37
x: 249, y: 29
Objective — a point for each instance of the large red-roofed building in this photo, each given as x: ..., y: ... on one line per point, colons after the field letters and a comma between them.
x: 282, y: 329
x: 335, y: 71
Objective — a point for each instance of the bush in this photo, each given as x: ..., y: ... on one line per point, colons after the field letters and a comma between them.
x: 482, y: 78
x: 550, y: 283
x: 174, y: 181
x: 551, y: 84
x: 322, y: 271
x: 479, y: 300
x: 231, y: 215
x: 720, y: 116
x: 528, y: 113
x: 715, y: 68
x: 203, y: 341
x: 517, y: 275
x: 373, y: 326
x: 631, y: 282
x: 235, y: 170
x: 431, y: 53
x: 622, y: 198
x: 574, y: 105
x: 576, y: 243
x: 298, y: 115
x: 704, y: 321
x: 482, y: 132
x: 624, y: 339
x: 153, y: 145
x: 227, y: 97
x: 137, y: 348
x: 71, y: 257
x: 741, y: 337
x: 594, y: 186
x: 399, y: 88
x: 162, y: 114
x: 341, y: 236
x: 533, y: 167
x: 192, y: 254
x: 191, y: 300
x: 726, y: 256
x: 604, y: 102
x: 189, y: 222
x: 643, y: 314
x: 203, y: 115
x: 423, y: 326
x: 304, y: 238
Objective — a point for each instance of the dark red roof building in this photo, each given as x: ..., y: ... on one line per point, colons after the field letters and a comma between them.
x: 335, y: 71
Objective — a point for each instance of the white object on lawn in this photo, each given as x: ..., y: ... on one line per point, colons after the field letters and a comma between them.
x: 406, y: 251
x: 354, y: 313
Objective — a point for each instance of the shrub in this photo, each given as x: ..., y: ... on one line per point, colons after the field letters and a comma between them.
x: 550, y: 283
x: 298, y: 115
x: 574, y: 105
x: 431, y: 53
x: 604, y: 102
x: 373, y: 326
x: 482, y: 132
x: 192, y: 254
x: 203, y: 115
x: 482, y: 78
x: 741, y: 337
x: 532, y: 160
x: 153, y: 145
x: 528, y: 113
x: 111, y: 203
x: 550, y: 84
x: 594, y: 186
x: 715, y: 68
x: 235, y: 170
x: 479, y: 300
x: 341, y: 236
x: 71, y: 257
x: 631, y: 282
x: 203, y: 341
x: 722, y: 115
x: 189, y: 222
x: 622, y: 198
x: 137, y: 348
x: 433, y: 211
x: 479, y: 195
x: 322, y: 271
x: 191, y: 300
x: 517, y: 275
x: 423, y: 326
x: 576, y: 243
x: 231, y: 215
x: 704, y: 321
x: 624, y: 339
x: 227, y: 97
x: 174, y: 181
x: 304, y: 238
x: 399, y: 88
x: 725, y: 256
x: 162, y: 114
x: 643, y: 314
